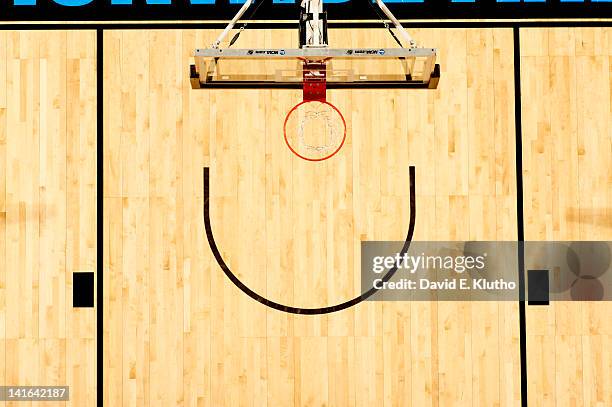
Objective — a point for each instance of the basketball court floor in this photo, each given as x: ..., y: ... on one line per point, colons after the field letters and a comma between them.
x: 177, y: 332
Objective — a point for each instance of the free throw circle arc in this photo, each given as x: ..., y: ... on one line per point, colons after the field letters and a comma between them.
x: 287, y: 308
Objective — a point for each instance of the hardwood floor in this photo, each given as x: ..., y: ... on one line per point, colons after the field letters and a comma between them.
x: 177, y: 332
x: 291, y: 230
x: 47, y: 209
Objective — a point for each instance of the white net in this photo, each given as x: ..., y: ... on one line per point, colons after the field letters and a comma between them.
x: 327, y: 131
x: 315, y: 130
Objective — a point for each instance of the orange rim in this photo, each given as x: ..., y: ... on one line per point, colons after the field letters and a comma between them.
x: 308, y: 158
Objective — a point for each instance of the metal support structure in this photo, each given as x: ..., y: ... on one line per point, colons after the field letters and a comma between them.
x: 396, y: 23
x: 313, y: 24
x: 315, y: 54
x: 232, y: 23
x: 316, y: 27
x: 314, y: 57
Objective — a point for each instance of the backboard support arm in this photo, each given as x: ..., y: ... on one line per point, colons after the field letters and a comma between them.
x: 396, y: 23
x: 232, y: 23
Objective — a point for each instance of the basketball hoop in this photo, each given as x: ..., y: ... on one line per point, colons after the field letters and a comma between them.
x: 314, y: 129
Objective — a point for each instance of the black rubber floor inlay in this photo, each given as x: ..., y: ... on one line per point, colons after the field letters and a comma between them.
x: 287, y: 308
x: 538, y: 287
x: 83, y: 290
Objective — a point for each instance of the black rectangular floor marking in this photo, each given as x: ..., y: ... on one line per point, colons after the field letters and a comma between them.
x: 83, y: 289
x: 538, y: 287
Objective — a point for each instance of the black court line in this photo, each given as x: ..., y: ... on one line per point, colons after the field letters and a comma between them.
x: 161, y: 25
x: 100, y: 210
x: 287, y: 308
x: 520, y: 220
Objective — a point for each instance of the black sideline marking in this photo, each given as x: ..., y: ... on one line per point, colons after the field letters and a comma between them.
x: 167, y: 25
x: 288, y: 308
x: 100, y: 210
x: 520, y: 221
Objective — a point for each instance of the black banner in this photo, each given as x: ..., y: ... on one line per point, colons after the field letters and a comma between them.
x: 134, y: 10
